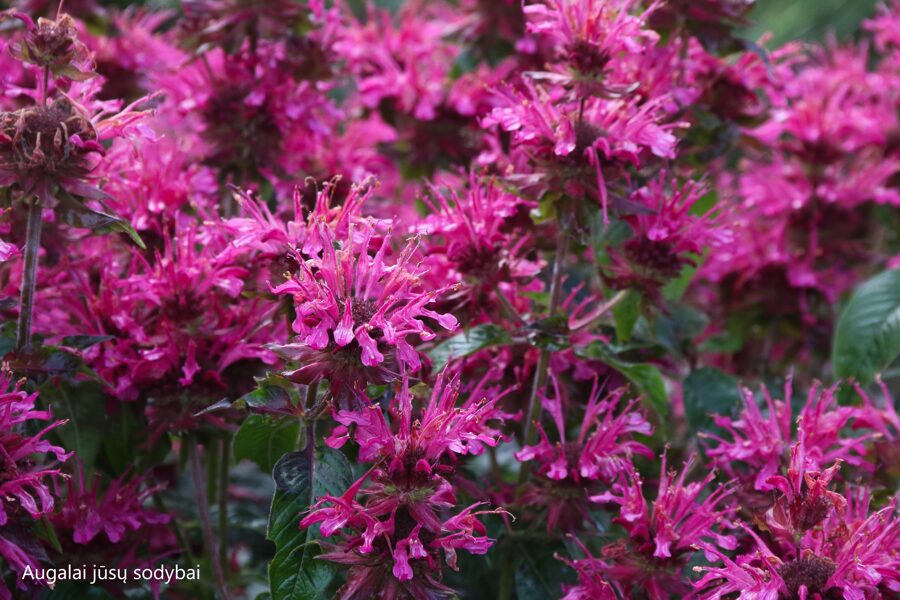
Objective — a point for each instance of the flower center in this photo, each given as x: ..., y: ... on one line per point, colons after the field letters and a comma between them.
x: 654, y: 256
x: 40, y: 137
x: 812, y: 572
x: 363, y: 310
x: 587, y: 58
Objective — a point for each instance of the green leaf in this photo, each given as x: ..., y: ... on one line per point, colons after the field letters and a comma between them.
x: 546, y: 208
x: 608, y: 235
x: 123, y: 436
x: 263, y: 439
x: 625, y: 315
x: 294, y: 574
x: 468, y: 342
x: 76, y: 214
x: 644, y: 376
x: 273, y: 393
x: 709, y: 391
x: 82, y: 342
x: 674, y: 289
x: 867, y: 335
x: 649, y: 381
x: 550, y: 334
x: 539, y: 574
x: 84, y: 406
x: 676, y: 329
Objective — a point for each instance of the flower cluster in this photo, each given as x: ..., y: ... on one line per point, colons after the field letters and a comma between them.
x: 442, y: 290
x: 405, y: 495
x: 26, y: 485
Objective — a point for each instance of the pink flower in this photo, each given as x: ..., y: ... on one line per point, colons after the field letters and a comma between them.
x: 403, y: 58
x: 473, y: 240
x: 24, y: 491
x: 593, y: 579
x: 822, y: 543
x: 662, y: 538
x: 667, y: 236
x: 441, y: 429
x: 394, y: 535
x: 761, y: 442
x: 590, y: 37
x: 585, y: 143
x: 355, y: 311
x: 116, y: 510
x: 571, y: 469
x: 23, y: 484
x: 175, y: 320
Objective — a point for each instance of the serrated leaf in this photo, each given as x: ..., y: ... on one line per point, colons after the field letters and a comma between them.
x: 708, y: 391
x: 84, y: 406
x: 294, y: 574
x: 867, y: 335
x: 263, y: 439
x: 468, y: 342
x: 644, y: 376
x: 77, y: 214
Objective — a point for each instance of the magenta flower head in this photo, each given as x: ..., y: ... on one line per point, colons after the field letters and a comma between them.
x: 24, y: 491
x: 601, y: 452
x: 589, y: 37
x: 176, y: 323
x: 472, y: 239
x: 667, y: 236
x: 821, y: 544
x: 663, y: 537
x: 593, y: 579
x: 393, y: 536
x: 115, y: 512
x: 355, y: 309
x: 582, y: 148
x: 761, y: 441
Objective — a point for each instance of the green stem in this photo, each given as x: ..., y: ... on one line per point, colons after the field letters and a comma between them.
x: 209, y: 541
x: 541, y: 371
x: 212, y: 476
x: 160, y: 505
x: 507, y: 571
x: 224, y: 478
x: 29, y: 275
x: 508, y: 310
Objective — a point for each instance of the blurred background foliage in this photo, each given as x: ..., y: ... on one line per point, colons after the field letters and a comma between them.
x: 809, y: 20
